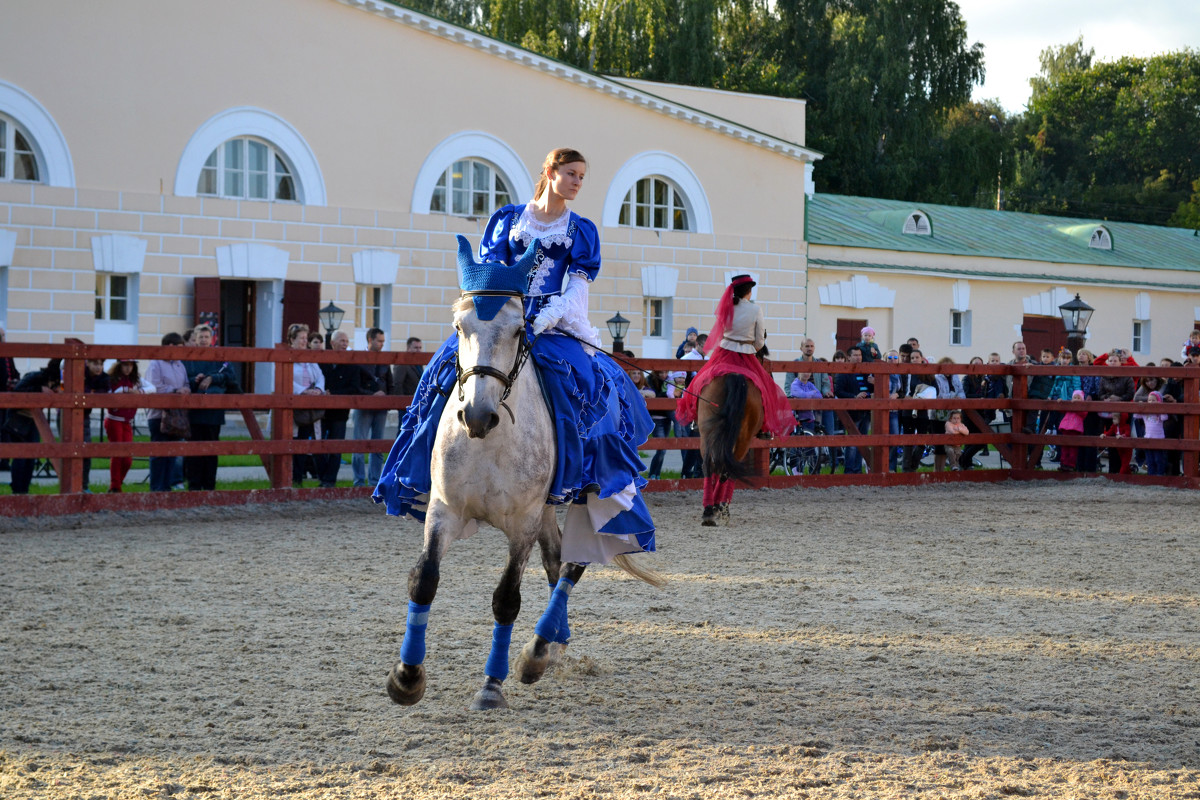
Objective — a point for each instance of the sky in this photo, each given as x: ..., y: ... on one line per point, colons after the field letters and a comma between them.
x: 1014, y: 33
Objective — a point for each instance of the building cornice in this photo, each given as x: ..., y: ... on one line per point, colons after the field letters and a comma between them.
x: 566, y: 72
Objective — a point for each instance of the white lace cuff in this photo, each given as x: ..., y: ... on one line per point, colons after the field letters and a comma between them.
x: 574, y: 319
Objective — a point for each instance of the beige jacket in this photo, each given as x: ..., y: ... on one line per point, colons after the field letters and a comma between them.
x: 747, y: 331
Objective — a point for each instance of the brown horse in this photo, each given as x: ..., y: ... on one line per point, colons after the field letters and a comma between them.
x: 729, y: 415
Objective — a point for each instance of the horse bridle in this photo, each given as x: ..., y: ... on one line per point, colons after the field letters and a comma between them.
x: 509, y: 378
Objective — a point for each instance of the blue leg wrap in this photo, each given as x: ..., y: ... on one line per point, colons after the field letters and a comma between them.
x: 412, y: 651
x: 564, y: 630
x: 497, y: 663
x: 548, y: 626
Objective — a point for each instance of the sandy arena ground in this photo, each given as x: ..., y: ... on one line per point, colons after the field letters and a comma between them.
x: 950, y: 641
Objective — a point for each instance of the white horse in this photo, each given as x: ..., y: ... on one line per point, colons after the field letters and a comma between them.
x: 493, y: 461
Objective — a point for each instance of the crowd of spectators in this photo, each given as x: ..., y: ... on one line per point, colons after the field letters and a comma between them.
x: 1118, y: 386
x: 199, y: 473
x: 309, y: 378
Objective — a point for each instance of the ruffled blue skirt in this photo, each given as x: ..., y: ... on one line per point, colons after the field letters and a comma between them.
x: 600, y: 421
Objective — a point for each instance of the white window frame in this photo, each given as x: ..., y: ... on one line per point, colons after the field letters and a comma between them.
x: 654, y: 310
x: 254, y: 122
x: 106, y: 296
x: 368, y: 306
x: 445, y: 185
x: 4, y: 296
x: 55, y: 167
x: 1140, y: 340
x: 477, y: 145
x: 363, y: 318
x: 9, y: 129
x: 666, y: 165
x: 8, y: 245
x: 917, y: 223
x: 217, y: 164
x: 960, y: 328
x: 673, y: 205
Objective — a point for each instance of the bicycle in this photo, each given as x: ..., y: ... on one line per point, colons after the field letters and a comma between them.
x: 802, y: 460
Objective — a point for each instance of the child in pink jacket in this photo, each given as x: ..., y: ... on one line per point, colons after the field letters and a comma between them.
x: 1071, y: 424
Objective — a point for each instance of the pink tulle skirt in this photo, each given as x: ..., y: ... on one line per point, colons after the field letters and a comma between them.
x: 777, y: 413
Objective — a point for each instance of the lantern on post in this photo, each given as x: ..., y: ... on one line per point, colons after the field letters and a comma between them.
x: 331, y: 319
x: 617, y: 325
x: 1076, y: 315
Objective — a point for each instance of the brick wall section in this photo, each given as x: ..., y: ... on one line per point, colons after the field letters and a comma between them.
x: 51, y: 282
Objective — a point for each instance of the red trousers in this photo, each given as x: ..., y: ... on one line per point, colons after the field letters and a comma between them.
x: 717, y: 491
x: 118, y: 431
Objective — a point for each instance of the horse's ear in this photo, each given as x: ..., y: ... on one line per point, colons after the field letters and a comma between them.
x: 466, y: 259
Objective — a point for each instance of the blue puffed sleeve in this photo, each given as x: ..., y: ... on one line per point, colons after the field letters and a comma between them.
x: 495, y: 243
x: 585, y: 249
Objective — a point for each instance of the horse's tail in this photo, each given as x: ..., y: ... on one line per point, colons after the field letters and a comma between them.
x: 722, y: 430
x: 631, y: 568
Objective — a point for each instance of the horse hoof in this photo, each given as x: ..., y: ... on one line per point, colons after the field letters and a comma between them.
x: 533, y: 660
x: 723, y: 512
x: 406, y: 683
x: 709, y: 518
x: 489, y: 697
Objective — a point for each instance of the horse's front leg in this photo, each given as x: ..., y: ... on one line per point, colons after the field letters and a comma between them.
x: 506, y: 605
x: 551, y: 630
x: 406, y: 681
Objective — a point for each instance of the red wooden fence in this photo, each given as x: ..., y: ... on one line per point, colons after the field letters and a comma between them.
x: 277, y: 446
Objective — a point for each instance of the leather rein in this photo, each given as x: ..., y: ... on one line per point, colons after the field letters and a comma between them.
x: 508, y: 379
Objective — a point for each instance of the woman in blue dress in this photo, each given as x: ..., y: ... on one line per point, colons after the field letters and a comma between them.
x: 600, y: 417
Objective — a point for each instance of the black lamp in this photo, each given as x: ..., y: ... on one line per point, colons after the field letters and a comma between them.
x: 1076, y: 315
x: 617, y: 325
x: 331, y: 320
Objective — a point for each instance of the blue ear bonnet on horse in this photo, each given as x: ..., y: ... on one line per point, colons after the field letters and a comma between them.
x: 493, y: 276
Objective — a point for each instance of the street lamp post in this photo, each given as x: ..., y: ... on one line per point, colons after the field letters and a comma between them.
x: 617, y: 325
x: 331, y: 320
x: 1076, y: 315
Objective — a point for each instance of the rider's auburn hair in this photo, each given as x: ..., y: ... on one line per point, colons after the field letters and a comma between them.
x: 554, y: 160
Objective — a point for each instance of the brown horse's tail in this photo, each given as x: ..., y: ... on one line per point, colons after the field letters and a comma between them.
x: 721, y: 432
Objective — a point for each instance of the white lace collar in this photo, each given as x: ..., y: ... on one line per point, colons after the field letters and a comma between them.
x: 528, y: 227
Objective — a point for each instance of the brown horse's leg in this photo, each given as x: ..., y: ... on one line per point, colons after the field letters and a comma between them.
x: 712, y: 490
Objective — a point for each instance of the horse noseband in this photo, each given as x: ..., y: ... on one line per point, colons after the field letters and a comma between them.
x: 509, y: 378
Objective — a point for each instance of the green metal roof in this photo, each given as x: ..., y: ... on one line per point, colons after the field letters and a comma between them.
x: 869, y: 222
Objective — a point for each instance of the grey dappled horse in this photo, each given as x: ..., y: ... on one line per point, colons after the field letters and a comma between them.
x: 493, y: 461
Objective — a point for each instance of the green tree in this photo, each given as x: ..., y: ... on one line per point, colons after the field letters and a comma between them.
x: 1115, y: 140
x: 1059, y: 61
x: 1188, y: 214
x: 897, y: 69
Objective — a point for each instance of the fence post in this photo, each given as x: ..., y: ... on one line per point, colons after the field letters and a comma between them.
x: 70, y: 475
x: 1020, y: 391
x: 281, y: 424
x: 880, y: 418
x: 1191, y: 427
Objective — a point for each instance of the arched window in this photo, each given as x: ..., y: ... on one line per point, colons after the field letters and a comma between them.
x: 247, y: 168
x: 18, y: 160
x: 917, y: 224
x: 655, y: 203
x: 1100, y: 239
x: 469, y: 188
